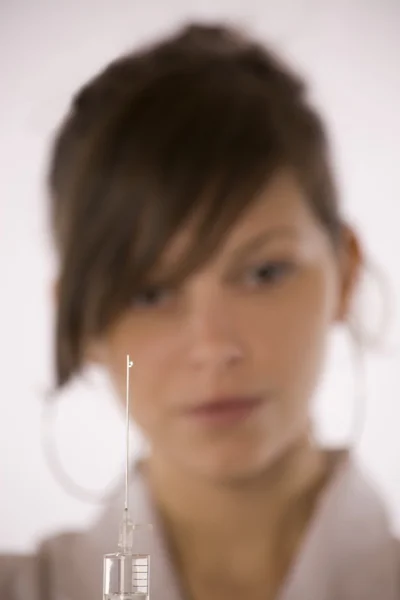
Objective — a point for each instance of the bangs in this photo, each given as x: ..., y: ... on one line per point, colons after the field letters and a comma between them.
x: 194, y: 148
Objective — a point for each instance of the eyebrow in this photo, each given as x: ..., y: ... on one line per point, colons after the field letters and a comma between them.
x: 265, y: 237
x: 259, y: 241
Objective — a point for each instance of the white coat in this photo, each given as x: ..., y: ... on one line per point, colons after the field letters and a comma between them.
x: 348, y: 552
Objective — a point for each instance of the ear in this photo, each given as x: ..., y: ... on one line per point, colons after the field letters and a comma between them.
x: 350, y: 264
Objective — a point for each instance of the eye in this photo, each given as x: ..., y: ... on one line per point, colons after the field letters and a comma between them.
x: 270, y: 272
x: 153, y: 296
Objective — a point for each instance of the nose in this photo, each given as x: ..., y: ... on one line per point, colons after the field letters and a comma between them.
x: 214, y: 340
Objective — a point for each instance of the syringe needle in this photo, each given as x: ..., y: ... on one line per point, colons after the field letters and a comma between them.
x: 129, y: 364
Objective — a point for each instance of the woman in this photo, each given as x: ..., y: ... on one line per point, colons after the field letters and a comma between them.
x: 199, y: 231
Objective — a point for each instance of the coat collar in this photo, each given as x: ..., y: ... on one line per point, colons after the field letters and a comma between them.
x: 348, y: 551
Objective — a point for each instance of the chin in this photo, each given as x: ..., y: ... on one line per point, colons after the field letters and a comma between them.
x: 237, y: 462
x: 230, y: 467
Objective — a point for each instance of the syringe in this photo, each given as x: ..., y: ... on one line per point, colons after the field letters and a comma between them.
x: 126, y: 574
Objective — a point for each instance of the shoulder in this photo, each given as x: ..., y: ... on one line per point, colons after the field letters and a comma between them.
x: 52, y: 572
x: 355, y: 526
x: 10, y: 565
x: 68, y: 566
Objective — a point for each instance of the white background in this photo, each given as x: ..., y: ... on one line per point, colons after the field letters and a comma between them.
x: 350, y: 53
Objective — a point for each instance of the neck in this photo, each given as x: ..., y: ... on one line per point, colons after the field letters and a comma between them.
x: 207, y: 520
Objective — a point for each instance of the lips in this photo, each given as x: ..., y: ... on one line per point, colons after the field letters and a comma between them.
x: 225, y: 410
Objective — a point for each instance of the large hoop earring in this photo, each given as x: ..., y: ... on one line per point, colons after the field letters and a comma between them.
x: 356, y: 405
x: 363, y: 338
x: 54, y: 462
x: 360, y: 398
x: 374, y: 338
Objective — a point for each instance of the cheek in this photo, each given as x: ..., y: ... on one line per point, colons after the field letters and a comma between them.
x: 291, y: 332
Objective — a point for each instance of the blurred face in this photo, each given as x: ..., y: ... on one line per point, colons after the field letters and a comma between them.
x: 226, y: 364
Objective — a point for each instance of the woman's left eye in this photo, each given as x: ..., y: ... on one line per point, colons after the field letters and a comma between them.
x: 270, y: 272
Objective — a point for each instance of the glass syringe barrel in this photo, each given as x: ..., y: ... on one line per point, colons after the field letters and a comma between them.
x: 126, y: 573
x: 126, y: 576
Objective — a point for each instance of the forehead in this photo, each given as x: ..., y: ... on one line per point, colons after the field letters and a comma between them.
x: 280, y: 204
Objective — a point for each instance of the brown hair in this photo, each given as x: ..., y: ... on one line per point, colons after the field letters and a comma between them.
x: 193, y: 125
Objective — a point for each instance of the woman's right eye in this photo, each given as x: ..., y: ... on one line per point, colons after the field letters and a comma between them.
x: 151, y: 297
